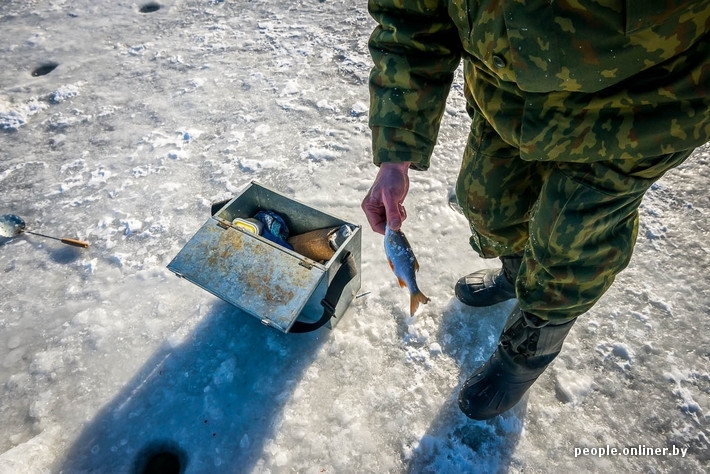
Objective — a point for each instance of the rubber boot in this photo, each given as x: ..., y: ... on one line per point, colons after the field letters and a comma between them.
x: 525, y: 349
x: 489, y: 286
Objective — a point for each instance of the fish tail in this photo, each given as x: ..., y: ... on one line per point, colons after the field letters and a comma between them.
x: 415, y: 300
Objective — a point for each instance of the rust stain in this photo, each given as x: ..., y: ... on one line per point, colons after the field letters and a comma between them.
x: 227, y: 245
x: 271, y: 292
x: 263, y: 278
x: 231, y: 238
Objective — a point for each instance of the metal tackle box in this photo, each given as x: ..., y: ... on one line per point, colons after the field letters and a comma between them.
x: 280, y: 287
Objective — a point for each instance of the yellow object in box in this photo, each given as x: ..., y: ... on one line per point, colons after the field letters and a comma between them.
x: 250, y: 225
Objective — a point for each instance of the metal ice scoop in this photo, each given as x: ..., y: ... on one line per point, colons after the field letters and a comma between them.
x: 12, y: 225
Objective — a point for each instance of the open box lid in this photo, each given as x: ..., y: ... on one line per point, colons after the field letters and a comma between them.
x: 249, y: 272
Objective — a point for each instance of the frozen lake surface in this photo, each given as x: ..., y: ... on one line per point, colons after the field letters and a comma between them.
x: 121, y: 127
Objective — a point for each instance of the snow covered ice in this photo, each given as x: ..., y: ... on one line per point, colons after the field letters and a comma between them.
x: 146, y: 120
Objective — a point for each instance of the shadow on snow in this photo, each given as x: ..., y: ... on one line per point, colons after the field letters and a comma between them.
x: 213, y: 402
x: 209, y: 404
x: 453, y: 443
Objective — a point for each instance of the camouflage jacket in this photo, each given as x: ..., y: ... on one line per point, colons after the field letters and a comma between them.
x: 559, y: 79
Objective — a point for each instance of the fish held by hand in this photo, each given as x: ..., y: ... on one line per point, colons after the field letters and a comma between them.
x: 404, y: 265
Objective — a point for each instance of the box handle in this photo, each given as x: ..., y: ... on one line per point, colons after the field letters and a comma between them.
x: 346, y: 272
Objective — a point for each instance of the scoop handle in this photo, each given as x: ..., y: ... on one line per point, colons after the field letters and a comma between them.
x: 75, y: 242
x: 65, y: 240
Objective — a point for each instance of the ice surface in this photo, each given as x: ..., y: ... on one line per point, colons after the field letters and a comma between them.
x: 106, y: 356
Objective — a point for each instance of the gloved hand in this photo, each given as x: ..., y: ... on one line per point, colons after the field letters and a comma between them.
x: 383, y: 202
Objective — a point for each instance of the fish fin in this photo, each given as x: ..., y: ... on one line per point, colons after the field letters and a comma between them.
x: 402, y: 284
x: 415, y: 300
x: 416, y: 265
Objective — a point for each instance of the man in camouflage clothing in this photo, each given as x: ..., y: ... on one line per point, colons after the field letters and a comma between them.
x: 577, y: 107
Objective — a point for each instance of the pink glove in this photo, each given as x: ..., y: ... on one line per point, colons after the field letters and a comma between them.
x: 383, y: 202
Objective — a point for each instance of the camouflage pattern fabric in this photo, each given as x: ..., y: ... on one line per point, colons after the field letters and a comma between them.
x: 578, y: 106
x: 557, y: 79
x: 575, y: 222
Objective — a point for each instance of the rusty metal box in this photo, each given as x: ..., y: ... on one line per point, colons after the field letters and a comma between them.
x: 272, y: 283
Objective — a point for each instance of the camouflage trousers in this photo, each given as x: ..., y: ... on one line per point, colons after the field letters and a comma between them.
x: 576, y: 222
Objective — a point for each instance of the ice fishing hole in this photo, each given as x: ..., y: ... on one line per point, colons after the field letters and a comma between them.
x: 44, y: 69
x: 150, y: 7
x: 161, y: 458
x: 162, y: 463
